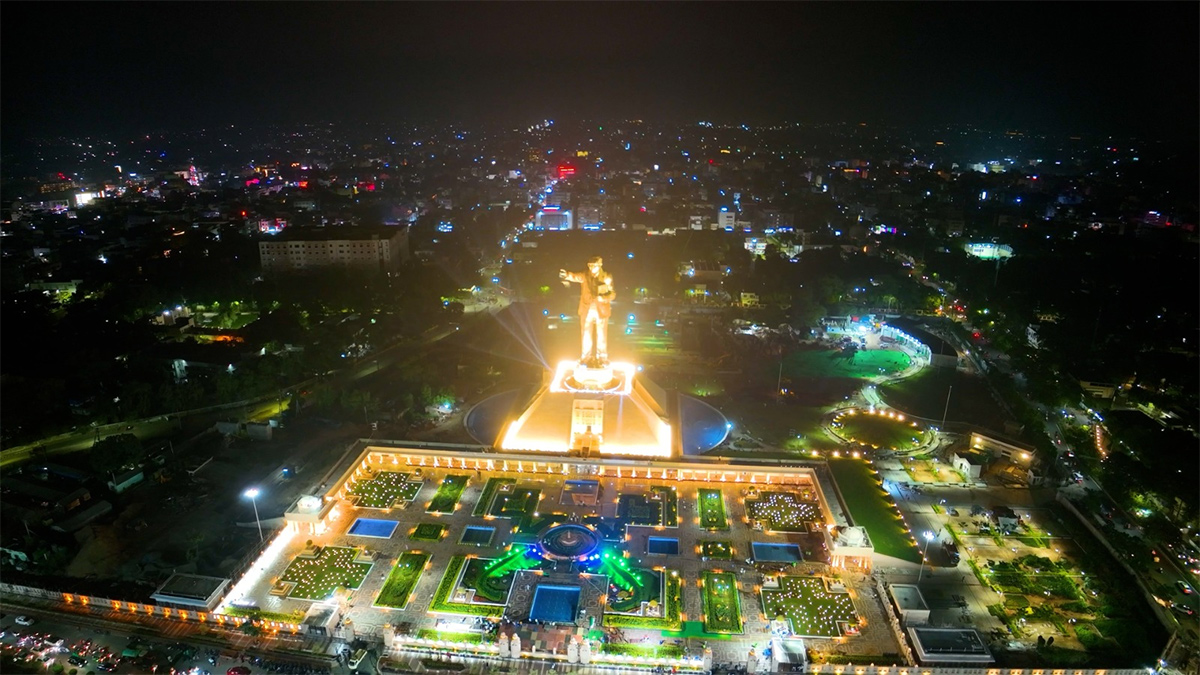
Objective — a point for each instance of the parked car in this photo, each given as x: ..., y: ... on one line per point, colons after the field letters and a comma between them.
x: 24, y: 620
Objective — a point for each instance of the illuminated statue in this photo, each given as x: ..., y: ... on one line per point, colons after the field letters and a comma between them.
x: 595, y: 306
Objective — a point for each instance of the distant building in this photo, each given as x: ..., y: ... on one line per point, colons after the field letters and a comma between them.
x: 553, y: 218
x: 726, y: 219
x: 378, y: 249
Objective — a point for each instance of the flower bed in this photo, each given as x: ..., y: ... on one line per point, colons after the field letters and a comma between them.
x: 812, y: 610
x: 441, y: 598
x: 384, y: 490
x: 428, y: 532
x: 318, y: 578
x: 716, y: 550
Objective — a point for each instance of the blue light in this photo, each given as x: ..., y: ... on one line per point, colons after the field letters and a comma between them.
x: 629, y: 255
x: 545, y: 312
x: 632, y: 318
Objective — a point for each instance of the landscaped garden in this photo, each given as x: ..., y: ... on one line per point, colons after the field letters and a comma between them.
x: 872, y: 508
x: 320, y: 577
x: 384, y: 490
x: 669, y: 614
x: 712, y: 510
x: 783, y: 512
x: 489, y: 492
x: 448, y: 493
x: 716, y: 550
x: 879, y: 429
x: 722, y: 608
x: 517, y: 504
x: 660, y: 507
x: 811, y: 609
x: 428, y: 532
x: 401, y: 581
x: 489, y: 578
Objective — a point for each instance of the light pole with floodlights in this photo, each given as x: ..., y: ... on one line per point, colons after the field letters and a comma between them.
x: 253, y: 493
x: 928, y: 538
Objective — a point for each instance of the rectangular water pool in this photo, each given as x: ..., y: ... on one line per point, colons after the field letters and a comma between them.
x: 373, y: 527
x: 555, y: 604
x: 479, y: 536
x: 776, y: 552
x: 662, y: 545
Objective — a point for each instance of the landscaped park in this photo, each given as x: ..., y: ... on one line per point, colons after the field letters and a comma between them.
x: 385, y: 490
x: 810, y: 608
x: 879, y: 429
x: 319, y: 576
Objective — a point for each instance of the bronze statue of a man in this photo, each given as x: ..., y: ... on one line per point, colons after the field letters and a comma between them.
x: 596, y: 294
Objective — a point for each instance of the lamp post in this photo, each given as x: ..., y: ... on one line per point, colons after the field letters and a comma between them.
x: 253, y: 493
x: 928, y: 538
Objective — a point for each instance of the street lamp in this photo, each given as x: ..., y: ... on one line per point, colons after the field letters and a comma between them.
x: 928, y: 538
x: 253, y: 493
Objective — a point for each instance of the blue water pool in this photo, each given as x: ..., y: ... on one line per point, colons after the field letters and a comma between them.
x: 556, y: 604
x: 662, y: 545
x: 475, y: 534
x: 776, y: 552
x: 373, y: 527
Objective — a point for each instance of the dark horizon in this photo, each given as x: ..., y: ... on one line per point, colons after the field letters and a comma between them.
x: 110, y: 68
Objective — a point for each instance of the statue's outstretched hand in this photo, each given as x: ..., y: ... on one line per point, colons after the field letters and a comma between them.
x: 562, y: 274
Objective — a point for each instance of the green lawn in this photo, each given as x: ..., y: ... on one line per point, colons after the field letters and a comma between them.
x: 428, y: 532
x: 318, y: 578
x: 924, y: 395
x: 670, y: 504
x: 493, y: 577
x: 402, y: 580
x: 812, y: 611
x: 638, y: 510
x: 716, y: 550
x: 489, y: 493
x: 384, y: 490
x: 879, y: 431
x: 783, y: 512
x: 830, y: 363
x: 872, y: 508
x: 517, y: 504
x: 671, y: 614
x: 712, y: 510
x: 722, y: 607
x: 442, y: 597
x: 447, y: 495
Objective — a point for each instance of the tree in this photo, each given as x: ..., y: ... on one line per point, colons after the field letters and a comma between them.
x: 115, y: 453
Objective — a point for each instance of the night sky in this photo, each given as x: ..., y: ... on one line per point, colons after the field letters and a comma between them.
x: 1078, y: 67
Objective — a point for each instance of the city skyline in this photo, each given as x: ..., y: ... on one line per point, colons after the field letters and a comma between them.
x: 1094, y: 68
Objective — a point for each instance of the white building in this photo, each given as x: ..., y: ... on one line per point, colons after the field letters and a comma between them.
x: 378, y: 249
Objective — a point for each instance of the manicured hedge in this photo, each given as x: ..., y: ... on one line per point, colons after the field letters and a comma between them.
x: 441, y: 598
x: 670, y: 620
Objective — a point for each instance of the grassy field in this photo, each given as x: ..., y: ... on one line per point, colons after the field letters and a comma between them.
x: 318, y: 578
x: 880, y: 431
x: 402, y: 580
x: 712, y: 510
x: 384, y: 490
x: 428, y: 532
x: 924, y: 395
x: 812, y: 611
x: 831, y: 363
x: 870, y: 507
x: 447, y: 495
x: 722, y: 608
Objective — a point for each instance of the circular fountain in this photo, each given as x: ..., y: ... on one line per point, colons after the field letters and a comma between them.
x: 569, y: 542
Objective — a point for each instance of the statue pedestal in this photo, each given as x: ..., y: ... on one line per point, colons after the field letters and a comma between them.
x: 593, y: 379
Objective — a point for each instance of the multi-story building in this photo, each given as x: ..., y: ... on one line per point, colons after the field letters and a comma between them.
x: 379, y: 249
